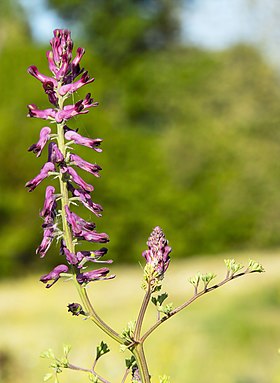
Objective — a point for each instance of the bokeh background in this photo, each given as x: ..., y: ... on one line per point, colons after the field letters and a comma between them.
x: 189, y: 112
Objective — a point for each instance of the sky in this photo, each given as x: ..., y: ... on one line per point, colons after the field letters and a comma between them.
x: 211, y: 24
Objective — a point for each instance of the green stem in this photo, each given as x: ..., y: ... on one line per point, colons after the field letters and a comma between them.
x: 141, y: 362
x: 142, y: 312
x: 187, y: 303
x: 69, y: 240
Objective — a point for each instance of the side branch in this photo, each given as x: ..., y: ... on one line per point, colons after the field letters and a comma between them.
x: 191, y: 300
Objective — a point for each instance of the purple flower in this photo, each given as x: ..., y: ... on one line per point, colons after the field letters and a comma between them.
x: 80, y: 140
x: 92, y: 256
x: 78, y: 180
x: 74, y: 86
x: 80, y: 107
x: 86, y: 200
x: 83, y: 229
x: 41, y: 77
x: 70, y: 257
x: 44, y: 172
x: 55, y: 155
x: 48, y: 236
x: 93, y: 236
x: 50, y: 203
x: 45, y: 114
x: 44, y: 137
x: 54, y: 275
x: 87, y: 166
x: 94, y: 275
x: 69, y: 111
x: 60, y: 57
x: 49, y: 83
x: 77, y: 223
x: 158, y: 253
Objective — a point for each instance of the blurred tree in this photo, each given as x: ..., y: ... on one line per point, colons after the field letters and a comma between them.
x: 121, y: 28
x: 13, y: 23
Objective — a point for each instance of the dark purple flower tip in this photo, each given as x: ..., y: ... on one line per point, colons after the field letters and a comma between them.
x: 78, y: 180
x: 44, y: 173
x: 39, y: 146
x: 85, y: 199
x: 72, y: 135
x: 54, y: 275
x: 50, y: 203
x: 75, y: 309
x: 87, y: 166
x: 55, y: 156
x: 94, y: 275
x: 158, y: 253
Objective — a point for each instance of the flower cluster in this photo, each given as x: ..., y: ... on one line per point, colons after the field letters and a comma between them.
x: 61, y: 222
x: 157, y: 256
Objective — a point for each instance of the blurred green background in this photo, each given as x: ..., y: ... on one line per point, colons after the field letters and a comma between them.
x: 191, y: 143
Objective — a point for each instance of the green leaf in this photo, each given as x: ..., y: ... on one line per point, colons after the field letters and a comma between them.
x: 130, y: 362
x: 101, y: 350
x: 49, y: 354
x: 66, y: 350
x: 233, y: 266
x: 255, y: 267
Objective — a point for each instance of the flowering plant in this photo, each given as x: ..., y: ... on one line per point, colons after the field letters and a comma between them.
x: 61, y: 223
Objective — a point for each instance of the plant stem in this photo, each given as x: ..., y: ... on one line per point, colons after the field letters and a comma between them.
x: 191, y: 300
x: 142, y: 312
x: 76, y: 368
x: 67, y: 236
x: 141, y: 362
x: 125, y: 375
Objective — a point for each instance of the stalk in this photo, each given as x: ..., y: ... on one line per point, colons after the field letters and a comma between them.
x: 141, y: 362
x: 67, y: 235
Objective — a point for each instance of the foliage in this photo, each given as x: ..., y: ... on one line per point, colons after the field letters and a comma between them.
x: 202, y: 142
x: 118, y: 29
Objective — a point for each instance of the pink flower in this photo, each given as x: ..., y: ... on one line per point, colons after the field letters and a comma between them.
x: 44, y: 173
x: 80, y: 140
x: 48, y: 236
x: 74, y: 86
x: 55, y: 155
x: 94, y: 275
x: 85, y: 199
x: 50, y: 203
x: 39, y: 146
x: 53, y: 275
x: 87, y: 166
x: 78, y: 180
